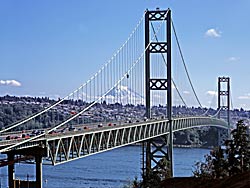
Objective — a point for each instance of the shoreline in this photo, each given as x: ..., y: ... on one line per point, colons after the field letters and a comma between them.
x: 182, y: 146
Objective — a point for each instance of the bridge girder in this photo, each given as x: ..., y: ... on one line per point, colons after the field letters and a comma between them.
x: 66, y: 148
x: 63, y: 148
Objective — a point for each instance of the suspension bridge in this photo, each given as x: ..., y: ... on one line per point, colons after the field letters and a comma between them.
x: 138, y: 74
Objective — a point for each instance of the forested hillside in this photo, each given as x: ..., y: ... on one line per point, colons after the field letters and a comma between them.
x: 14, y: 109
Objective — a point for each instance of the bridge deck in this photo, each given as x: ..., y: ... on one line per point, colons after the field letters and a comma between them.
x: 64, y: 147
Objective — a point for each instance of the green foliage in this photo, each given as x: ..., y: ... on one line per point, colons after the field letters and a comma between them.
x: 214, y: 166
x: 153, y: 178
x: 233, y: 160
x: 163, y: 169
x: 14, y: 109
x: 238, y: 150
x: 133, y: 184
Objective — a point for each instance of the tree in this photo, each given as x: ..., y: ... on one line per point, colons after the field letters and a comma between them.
x: 219, y: 163
x: 151, y: 179
x: 214, y: 166
x: 236, y: 159
x: 163, y: 169
x: 133, y: 184
x: 238, y: 150
x: 154, y: 176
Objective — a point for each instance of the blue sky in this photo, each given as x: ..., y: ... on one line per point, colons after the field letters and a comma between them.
x: 48, y: 48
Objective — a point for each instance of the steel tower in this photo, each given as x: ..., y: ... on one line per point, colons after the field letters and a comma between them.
x: 157, y: 153
x: 224, y: 92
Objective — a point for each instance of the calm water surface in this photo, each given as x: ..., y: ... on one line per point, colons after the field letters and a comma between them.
x: 110, y: 169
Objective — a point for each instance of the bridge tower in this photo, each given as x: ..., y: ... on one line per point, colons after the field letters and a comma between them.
x: 156, y: 153
x: 224, y: 92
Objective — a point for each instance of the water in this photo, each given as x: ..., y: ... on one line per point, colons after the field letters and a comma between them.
x: 112, y: 169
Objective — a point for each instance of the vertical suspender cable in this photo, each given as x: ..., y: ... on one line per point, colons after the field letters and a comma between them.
x: 182, y: 57
x: 177, y: 90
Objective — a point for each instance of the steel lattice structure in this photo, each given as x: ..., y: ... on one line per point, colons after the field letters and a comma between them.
x: 70, y: 147
x: 65, y: 147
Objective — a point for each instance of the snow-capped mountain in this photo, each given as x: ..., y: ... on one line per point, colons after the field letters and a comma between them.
x: 125, y: 95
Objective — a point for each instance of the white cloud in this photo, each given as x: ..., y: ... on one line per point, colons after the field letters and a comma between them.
x: 186, y: 92
x: 10, y: 83
x: 55, y: 96
x: 213, y: 33
x: 212, y: 93
x: 233, y: 59
x: 245, y: 97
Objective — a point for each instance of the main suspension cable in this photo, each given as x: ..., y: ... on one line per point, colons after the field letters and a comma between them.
x: 90, y: 105
x: 21, y: 122
x: 182, y: 57
x: 164, y: 59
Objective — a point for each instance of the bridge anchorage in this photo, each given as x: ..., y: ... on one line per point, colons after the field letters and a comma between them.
x: 156, y: 135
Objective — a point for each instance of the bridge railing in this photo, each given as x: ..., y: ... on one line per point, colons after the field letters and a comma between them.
x: 72, y: 145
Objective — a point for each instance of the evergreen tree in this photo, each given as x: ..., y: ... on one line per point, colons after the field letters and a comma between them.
x: 238, y: 150
x: 215, y: 165
x: 236, y: 160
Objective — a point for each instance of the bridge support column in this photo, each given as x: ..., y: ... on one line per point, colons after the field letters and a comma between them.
x: 11, y: 170
x: 224, y: 109
x: 148, y: 156
x: 158, y: 157
x: 162, y: 47
x: 37, y: 152
x: 39, y: 176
